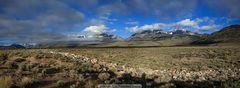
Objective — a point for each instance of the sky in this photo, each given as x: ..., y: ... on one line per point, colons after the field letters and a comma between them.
x: 36, y: 21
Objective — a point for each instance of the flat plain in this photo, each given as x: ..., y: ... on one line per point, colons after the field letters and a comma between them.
x: 179, y: 66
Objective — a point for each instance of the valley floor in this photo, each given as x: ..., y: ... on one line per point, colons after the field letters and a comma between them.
x: 186, y: 66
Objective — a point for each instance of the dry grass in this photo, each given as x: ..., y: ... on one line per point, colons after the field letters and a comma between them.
x: 26, y: 82
x: 5, y: 82
x: 40, y: 68
x: 196, y: 58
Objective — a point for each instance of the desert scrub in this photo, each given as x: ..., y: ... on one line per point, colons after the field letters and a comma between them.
x: 73, y: 73
x: 3, y: 56
x: 11, y: 65
x: 20, y: 60
x: 81, y: 77
x: 60, y: 83
x: 86, y: 67
x: 104, y: 76
x: 5, y: 82
x: 91, y: 83
x: 26, y: 82
x: 50, y: 70
x: 27, y: 66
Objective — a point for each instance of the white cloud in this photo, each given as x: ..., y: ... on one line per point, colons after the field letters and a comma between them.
x: 156, y: 26
x: 98, y: 29
x: 188, y: 22
x: 132, y: 23
x: 208, y: 27
x: 198, y: 24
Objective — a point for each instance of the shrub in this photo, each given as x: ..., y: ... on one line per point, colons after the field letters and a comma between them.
x: 22, y: 66
x: 36, y: 69
x: 60, y: 83
x: 20, y: 60
x: 50, y: 70
x: 104, y: 76
x: 11, y: 65
x: 3, y: 57
x: 5, y: 82
x: 81, y: 77
x: 91, y: 83
x: 75, y: 74
x: 73, y: 86
x: 26, y: 82
x: 26, y: 66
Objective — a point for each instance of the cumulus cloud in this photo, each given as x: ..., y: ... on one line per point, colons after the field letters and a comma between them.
x: 198, y: 24
x: 188, y: 22
x: 157, y: 26
x: 204, y: 24
x: 96, y: 29
x: 99, y: 29
x: 37, y: 21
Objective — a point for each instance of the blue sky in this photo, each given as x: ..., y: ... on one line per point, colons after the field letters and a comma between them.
x: 49, y: 20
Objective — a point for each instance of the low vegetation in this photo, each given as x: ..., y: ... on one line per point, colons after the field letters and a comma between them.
x: 5, y: 82
x: 194, y: 66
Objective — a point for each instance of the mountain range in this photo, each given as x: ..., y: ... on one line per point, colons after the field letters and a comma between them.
x: 229, y: 34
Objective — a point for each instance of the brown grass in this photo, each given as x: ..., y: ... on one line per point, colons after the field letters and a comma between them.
x: 5, y: 82
x: 198, y: 58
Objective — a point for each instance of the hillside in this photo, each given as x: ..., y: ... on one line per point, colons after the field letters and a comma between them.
x: 227, y: 34
x: 13, y: 46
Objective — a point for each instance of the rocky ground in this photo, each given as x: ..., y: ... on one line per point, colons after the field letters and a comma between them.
x: 54, y: 69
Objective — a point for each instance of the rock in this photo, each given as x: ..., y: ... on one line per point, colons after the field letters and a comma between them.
x: 104, y: 76
x: 97, y: 67
x: 169, y: 85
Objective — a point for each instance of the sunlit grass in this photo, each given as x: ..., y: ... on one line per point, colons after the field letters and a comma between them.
x: 5, y: 82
